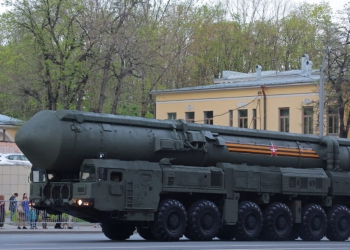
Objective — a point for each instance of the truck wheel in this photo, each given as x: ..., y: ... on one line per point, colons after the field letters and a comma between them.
x: 117, y: 231
x: 169, y: 221
x: 249, y: 223
x: 338, y: 226
x: 145, y: 233
x: 203, y: 221
x: 278, y: 222
x: 226, y: 233
x: 313, y: 223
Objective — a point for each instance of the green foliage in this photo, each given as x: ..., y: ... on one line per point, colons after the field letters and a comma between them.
x: 101, y: 57
x: 129, y: 109
x: 51, y: 218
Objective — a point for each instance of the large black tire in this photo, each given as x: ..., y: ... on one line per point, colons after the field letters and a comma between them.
x: 117, y: 230
x: 249, y: 223
x: 226, y: 233
x: 169, y: 221
x: 338, y: 226
x: 203, y: 221
x: 313, y: 223
x: 277, y: 222
x: 145, y: 233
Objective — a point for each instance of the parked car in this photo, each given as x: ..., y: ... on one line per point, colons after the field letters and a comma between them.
x: 14, y: 159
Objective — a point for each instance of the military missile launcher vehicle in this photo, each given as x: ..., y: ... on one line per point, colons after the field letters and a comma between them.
x: 170, y: 178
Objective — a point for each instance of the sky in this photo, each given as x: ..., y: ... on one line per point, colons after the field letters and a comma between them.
x: 335, y: 4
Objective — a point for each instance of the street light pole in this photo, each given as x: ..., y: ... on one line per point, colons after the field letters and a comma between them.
x: 321, y: 93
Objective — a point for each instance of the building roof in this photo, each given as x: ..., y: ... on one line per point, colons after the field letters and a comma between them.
x: 8, y: 147
x: 237, y: 80
x: 7, y: 120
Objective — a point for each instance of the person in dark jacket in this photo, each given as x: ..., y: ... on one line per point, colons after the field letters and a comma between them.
x: 2, y: 210
x: 13, y: 205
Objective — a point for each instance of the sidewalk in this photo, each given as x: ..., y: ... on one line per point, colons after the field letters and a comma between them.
x: 11, y: 228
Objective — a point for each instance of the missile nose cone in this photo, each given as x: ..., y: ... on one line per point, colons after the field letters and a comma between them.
x: 40, y: 139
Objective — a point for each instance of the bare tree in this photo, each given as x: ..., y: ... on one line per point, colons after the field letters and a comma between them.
x: 59, y: 43
x: 338, y: 84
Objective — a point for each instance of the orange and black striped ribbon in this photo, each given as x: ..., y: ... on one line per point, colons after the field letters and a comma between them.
x: 265, y: 150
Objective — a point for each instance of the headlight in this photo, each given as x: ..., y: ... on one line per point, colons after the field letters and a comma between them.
x: 83, y: 202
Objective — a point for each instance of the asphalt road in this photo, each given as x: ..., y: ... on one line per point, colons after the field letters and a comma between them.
x: 72, y: 241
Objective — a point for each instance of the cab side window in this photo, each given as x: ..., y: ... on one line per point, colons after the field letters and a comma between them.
x: 116, y: 177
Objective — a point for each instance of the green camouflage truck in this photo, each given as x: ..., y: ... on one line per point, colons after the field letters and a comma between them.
x: 170, y: 178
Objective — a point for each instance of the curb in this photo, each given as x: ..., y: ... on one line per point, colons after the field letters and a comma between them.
x: 50, y: 231
x: 11, y: 229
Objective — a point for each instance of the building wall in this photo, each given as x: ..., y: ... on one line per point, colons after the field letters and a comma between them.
x: 10, y: 132
x: 221, y: 101
x: 14, y: 179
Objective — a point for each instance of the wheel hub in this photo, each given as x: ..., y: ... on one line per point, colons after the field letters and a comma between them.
x: 207, y: 221
x: 173, y: 221
x: 316, y: 223
x: 281, y: 222
x: 343, y: 224
x: 251, y: 222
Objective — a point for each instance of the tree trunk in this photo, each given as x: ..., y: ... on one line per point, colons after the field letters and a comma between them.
x: 106, y: 69
x: 118, y: 91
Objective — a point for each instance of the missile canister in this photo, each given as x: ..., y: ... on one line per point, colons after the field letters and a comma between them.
x: 61, y: 140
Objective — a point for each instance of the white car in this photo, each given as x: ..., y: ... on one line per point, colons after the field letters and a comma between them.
x: 14, y: 159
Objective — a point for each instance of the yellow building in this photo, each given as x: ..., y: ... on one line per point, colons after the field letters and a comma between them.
x: 279, y: 101
x: 8, y: 130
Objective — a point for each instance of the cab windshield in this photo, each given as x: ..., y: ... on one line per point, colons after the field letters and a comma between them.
x: 88, y: 173
x: 38, y: 175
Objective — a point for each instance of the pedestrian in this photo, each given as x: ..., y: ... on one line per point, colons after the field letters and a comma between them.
x: 37, y: 212
x: 13, y: 205
x: 25, y: 204
x: 23, y: 211
x: 58, y: 222
x: 69, y: 224
x: 32, y: 217
x: 44, y: 217
x: 2, y: 210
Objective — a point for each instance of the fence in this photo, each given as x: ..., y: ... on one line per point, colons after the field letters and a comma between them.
x: 33, y: 218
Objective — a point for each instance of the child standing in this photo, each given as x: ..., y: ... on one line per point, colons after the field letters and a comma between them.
x: 32, y: 218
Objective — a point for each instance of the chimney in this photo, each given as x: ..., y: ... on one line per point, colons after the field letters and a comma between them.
x: 308, y: 68
x: 304, y: 59
x: 258, y: 72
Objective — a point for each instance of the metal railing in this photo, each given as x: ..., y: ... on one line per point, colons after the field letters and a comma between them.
x: 33, y: 218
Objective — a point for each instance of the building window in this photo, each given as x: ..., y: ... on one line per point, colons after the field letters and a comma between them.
x: 243, y: 118
x: 333, y: 121
x: 284, y: 119
x: 230, y: 117
x: 208, y: 117
x: 3, y: 136
x: 189, y: 116
x: 308, y: 124
x: 171, y: 116
x: 254, y: 119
